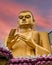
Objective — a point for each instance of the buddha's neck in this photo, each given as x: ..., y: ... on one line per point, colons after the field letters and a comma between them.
x: 24, y: 30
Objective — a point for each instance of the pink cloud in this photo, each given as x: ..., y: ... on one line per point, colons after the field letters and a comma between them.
x: 9, y: 10
x: 43, y: 22
x: 12, y: 10
x: 4, y: 29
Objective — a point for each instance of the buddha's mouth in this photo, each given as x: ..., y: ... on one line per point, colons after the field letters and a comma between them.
x: 24, y: 22
x: 25, y: 25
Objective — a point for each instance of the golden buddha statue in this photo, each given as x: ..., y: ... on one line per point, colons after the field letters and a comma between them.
x: 26, y: 41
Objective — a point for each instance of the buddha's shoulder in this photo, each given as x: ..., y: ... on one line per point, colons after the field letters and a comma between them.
x: 42, y: 32
x: 35, y: 32
x: 39, y: 32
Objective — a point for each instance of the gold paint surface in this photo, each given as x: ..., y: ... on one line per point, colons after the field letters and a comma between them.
x: 27, y: 42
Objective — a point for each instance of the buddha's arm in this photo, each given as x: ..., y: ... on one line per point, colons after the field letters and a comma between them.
x: 28, y: 40
x: 39, y: 49
x: 7, y: 44
x: 45, y: 45
x: 11, y: 39
x: 45, y: 41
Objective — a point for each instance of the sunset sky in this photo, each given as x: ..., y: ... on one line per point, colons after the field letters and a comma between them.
x: 9, y: 9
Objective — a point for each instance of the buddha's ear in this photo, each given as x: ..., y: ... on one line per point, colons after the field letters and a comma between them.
x: 33, y: 22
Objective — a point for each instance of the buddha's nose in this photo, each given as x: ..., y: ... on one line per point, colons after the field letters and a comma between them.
x: 24, y: 19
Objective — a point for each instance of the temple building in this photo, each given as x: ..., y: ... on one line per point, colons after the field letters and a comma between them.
x: 50, y: 37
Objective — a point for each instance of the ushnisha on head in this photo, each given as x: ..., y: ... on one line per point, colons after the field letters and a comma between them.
x: 25, y: 19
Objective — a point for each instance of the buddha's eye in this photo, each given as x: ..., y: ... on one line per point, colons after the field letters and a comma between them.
x: 20, y: 17
x: 27, y: 16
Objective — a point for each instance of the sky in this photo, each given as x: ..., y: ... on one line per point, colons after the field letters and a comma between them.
x: 9, y: 9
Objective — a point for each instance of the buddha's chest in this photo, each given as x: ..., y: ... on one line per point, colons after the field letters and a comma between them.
x: 21, y: 41
x: 27, y: 35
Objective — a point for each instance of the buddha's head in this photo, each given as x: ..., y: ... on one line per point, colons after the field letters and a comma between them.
x: 25, y: 19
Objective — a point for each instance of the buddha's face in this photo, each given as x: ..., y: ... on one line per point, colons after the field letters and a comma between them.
x: 25, y: 18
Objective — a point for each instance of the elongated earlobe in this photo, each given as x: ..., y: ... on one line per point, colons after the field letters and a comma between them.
x: 33, y: 20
